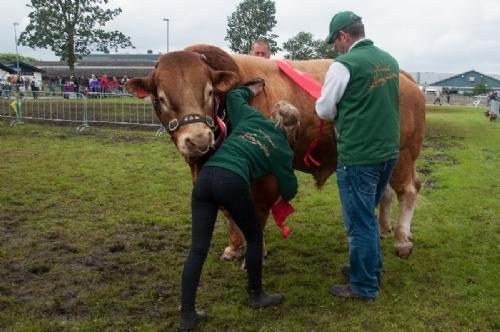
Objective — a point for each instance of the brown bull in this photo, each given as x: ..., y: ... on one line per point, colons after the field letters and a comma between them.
x: 187, y: 82
x: 12, y: 79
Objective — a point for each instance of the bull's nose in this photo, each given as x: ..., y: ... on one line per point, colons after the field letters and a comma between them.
x: 200, y: 142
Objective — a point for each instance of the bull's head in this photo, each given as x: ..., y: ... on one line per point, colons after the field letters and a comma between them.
x: 183, y: 88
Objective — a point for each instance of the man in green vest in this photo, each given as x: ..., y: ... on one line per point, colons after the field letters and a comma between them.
x: 361, y: 94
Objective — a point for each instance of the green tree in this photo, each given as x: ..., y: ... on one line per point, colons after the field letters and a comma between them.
x: 252, y: 19
x: 303, y: 46
x: 11, y: 57
x: 300, y: 47
x: 325, y: 51
x: 481, y: 87
x: 72, y: 28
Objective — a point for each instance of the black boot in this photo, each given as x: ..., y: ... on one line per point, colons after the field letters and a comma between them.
x: 191, y: 318
x: 259, y: 299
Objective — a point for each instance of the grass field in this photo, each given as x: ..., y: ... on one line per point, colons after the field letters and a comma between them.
x: 95, y: 227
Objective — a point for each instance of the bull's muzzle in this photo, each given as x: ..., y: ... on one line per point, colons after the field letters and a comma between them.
x: 195, y: 140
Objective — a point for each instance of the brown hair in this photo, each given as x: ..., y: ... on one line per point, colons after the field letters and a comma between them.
x: 356, y: 30
x: 287, y: 116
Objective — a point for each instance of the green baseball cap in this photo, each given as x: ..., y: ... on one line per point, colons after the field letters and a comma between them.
x: 340, y: 21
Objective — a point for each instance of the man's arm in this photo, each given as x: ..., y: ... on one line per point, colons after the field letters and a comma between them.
x: 333, y: 89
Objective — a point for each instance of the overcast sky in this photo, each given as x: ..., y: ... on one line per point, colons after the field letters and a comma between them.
x: 425, y: 35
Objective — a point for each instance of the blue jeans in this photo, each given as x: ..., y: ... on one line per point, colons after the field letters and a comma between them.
x: 361, y: 189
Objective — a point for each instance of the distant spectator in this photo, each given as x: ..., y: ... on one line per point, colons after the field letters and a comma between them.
x: 448, y: 97
x: 494, y: 104
x: 94, y: 84
x: 62, y: 83
x: 76, y: 83
x: 438, y: 98
x: 69, y: 89
x: 20, y: 85
x: 491, y: 96
x: 122, y: 82
x: 104, y: 83
x: 83, y: 83
x: 5, y: 87
x: 52, y: 86
x: 260, y: 48
x: 114, y: 85
x: 35, y: 87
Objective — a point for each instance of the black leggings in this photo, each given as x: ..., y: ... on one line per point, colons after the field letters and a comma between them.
x: 217, y: 187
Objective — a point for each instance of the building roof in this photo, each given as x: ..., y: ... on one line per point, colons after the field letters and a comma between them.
x: 7, y: 69
x: 25, y: 67
x: 117, y: 65
x: 93, y: 58
x: 468, y: 80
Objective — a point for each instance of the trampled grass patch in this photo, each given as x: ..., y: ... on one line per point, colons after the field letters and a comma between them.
x: 95, y: 227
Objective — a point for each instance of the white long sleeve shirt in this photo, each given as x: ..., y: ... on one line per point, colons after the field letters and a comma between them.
x: 333, y: 89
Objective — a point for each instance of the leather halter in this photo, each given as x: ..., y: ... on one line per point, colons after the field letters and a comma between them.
x: 217, y: 122
x: 175, y: 124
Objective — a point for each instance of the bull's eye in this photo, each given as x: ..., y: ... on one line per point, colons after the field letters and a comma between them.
x: 210, y: 93
x: 162, y: 100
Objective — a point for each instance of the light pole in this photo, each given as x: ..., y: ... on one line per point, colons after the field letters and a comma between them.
x: 168, y: 21
x: 17, y: 53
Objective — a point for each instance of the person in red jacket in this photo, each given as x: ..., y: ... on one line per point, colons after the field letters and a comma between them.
x: 104, y: 83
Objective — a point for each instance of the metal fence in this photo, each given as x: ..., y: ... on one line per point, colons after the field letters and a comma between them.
x: 459, y: 100
x: 87, y: 109
x: 82, y: 109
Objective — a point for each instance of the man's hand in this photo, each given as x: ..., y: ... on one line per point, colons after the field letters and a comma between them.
x: 256, y: 85
x: 256, y: 88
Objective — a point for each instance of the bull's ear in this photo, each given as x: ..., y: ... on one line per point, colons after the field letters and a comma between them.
x: 140, y: 86
x: 224, y: 80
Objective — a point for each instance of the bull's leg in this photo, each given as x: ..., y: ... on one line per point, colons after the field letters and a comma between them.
x: 263, y: 215
x: 263, y: 221
x: 236, y: 244
x: 236, y: 241
x: 265, y: 193
x: 384, y: 217
x: 407, y: 202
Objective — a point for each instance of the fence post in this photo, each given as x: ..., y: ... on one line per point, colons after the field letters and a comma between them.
x: 17, y: 109
x: 160, y: 131
x: 85, y: 123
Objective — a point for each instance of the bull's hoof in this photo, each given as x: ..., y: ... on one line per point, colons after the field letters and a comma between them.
x: 404, y: 250
x: 384, y: 233
x: 230, y: 254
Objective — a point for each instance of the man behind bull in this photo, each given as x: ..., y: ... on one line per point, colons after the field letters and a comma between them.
x: 361, y: 94
x: 260, y: 48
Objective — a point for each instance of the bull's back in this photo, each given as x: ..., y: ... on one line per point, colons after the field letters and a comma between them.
x: 280, y: 87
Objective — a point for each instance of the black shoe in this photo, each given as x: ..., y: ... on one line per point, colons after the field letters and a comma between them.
x: 345, y: 270
x: 259, y: 299
x: 191, y: 318
x: 345, y: 291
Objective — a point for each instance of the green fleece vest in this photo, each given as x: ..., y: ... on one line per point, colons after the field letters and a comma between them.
x: 367, y: 122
